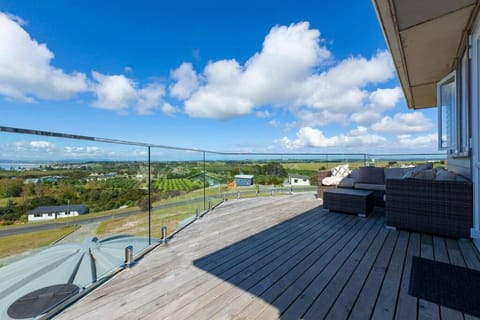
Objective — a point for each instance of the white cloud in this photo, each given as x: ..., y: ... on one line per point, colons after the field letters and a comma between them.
x: 167, y: 108
x: 403, y: 123
x: 429, y: 140
x: 386, y: 98
x: 263, y: 114
x: 127, y: 69
x: 274, y: 123
x: 16, y: 19
x: 119, y: 93
x: 26, y: 72
x: 287, y: 72
x: 272, y: 76
x: 36, y: 145
x: 114, y: 92
x: 149, y: 98
x: 308, y: 137
x: 186, y: 81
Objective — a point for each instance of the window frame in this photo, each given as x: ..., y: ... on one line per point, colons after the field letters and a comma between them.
x: 452, y: 139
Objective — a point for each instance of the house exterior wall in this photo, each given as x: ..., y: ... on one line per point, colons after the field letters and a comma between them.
x: 51, y: 215
x: 299, y: 181
x: 243, y: 182
x: 461, y: 166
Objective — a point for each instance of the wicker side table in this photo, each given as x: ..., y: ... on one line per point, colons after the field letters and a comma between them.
x: 321, y: 188
x: 359, y: 202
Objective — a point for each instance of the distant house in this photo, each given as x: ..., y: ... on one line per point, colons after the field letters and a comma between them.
x: 298, y: 180
x: 100, y: 176
x: 243, y: 180
x: 54, y: 212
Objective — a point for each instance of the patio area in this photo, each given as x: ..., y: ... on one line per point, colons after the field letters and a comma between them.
x: 278, y: 257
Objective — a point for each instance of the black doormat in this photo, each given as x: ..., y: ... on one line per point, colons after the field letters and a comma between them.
x: 445, y: 284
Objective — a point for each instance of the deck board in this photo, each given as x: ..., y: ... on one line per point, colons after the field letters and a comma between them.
x: 280, y: 257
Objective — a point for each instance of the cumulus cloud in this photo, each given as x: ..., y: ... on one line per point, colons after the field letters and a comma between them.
x: 263, y: 114
x: 36, y: 145
x: 167, y: 108
x: 26, y: 72
x: 272, y: 76
x: 186, y: 81
x: 295, y: 71
x: 308, y: 137
x: 274, y: 123
x: 428, y: 140
x: 403, y: 123
x: 119, y: 93
x: 114, y: 92
x: 149, y: 98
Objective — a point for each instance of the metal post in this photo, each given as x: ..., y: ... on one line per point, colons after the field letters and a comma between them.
x: 204, y: 181
x: 238, y: 194
x: 209, y: 205
x: 164, y: 234
x: 271, y: 192
x: 128, y: 256
x: 224, y: 197
x: 149, y: 202
x: 197, y: 213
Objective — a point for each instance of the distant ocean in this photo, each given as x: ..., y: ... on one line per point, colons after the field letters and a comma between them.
x: 16, y: 165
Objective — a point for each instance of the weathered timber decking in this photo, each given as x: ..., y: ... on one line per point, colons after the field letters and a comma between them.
x: 279, y: 257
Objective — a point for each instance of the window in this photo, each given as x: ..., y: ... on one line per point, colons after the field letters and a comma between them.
x: 464, y: 111
x: 446, y: 92
x: 454, y: 111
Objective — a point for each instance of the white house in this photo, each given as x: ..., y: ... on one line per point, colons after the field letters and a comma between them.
x: 54, y: 212
x: 435, y: 45
x: 298, y: 180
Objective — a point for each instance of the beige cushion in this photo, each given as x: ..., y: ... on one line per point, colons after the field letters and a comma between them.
x: 332, y: 181
x: 341, y: 170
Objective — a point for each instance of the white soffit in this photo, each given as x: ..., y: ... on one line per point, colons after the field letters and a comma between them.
x: 424, y: 37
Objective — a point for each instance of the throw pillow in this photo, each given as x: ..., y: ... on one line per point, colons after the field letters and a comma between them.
x: 421, y: 175
x: 340, y: 171
x: 372, y: 175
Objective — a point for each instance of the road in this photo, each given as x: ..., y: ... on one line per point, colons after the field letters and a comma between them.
x: 10, y: 231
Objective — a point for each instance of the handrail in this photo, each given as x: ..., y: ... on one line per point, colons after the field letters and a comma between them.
x: 142, y: 144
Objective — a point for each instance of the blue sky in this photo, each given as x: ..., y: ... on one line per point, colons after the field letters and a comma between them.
x: 233, y: 76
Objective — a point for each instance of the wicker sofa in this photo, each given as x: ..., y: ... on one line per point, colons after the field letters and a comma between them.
x: 438, y: 207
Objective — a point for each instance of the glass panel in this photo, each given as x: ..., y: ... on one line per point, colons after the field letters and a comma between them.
x: 447, y: 113
x: 82, y: 194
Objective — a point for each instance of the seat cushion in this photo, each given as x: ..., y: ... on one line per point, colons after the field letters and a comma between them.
x: 370, y: 186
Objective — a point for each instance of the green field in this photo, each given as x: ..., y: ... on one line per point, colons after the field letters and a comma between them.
x: 138, y: 224
x: 174, y: 185
x: 22, y: 242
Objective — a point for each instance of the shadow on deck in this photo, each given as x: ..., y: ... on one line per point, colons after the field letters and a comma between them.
x: 327, y: 265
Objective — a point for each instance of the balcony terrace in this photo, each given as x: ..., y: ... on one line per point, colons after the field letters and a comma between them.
x: 279, y: 257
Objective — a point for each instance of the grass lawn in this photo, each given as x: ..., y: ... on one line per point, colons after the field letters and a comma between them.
x: 21, y: 242
x: 138, y: 225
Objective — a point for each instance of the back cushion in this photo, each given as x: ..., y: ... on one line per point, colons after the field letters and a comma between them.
x: 373, y: 175
x: 394, y: 173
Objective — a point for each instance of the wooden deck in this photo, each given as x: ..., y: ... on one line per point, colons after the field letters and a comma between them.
x: 280, y: 257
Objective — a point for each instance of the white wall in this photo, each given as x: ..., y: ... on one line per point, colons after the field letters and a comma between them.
x: 46, y: 216
x: 299, y: 182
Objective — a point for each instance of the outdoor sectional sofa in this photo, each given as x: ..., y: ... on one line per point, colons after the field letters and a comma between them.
x: 419, y: 199
x: 438, y: 207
